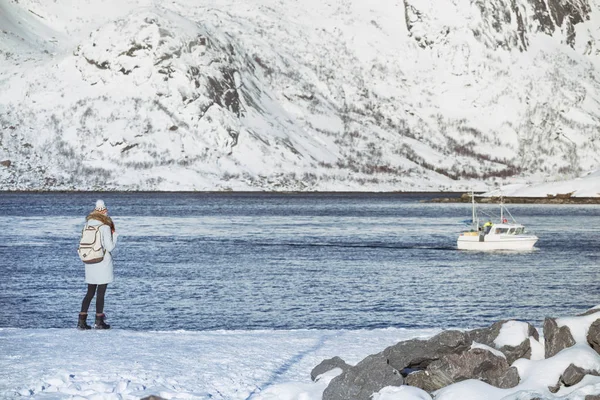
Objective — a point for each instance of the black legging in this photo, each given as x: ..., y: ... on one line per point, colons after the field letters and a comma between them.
x: 90, y: 295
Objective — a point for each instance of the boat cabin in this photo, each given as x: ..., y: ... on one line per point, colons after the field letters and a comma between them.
x: 507, y: 229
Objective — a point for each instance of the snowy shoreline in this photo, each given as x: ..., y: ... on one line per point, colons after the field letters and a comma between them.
x: 582, y: 190
x: 226, y: 365
x: 277, y: 364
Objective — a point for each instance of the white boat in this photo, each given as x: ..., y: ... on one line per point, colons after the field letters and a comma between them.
x: 501, y: 235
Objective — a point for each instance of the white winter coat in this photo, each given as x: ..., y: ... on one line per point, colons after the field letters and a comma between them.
x: 102, y: 272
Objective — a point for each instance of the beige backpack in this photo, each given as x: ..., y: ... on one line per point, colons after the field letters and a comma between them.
x: 90, y: 248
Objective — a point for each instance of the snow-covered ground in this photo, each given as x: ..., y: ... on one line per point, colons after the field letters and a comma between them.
x: 260, y: 365
x: 587, y: 185
x: 120, y: 364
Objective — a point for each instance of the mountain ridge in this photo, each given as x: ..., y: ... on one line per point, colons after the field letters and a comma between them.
x: 336, y: 96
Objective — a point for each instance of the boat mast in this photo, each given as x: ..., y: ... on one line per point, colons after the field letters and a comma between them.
x: 501, y: 206
x: 475, y: 223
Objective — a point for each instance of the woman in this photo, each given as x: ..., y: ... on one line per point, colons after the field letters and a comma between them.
x: 99, y: 275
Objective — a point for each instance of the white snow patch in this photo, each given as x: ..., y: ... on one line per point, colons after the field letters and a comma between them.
x: 587, y: 185
x: 401, y: 392
x: 579, y: 326
x: 512, y: 333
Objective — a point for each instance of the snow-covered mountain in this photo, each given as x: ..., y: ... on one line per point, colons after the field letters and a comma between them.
x: 286, y: 95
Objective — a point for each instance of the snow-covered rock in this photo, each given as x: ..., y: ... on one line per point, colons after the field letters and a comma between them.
x: 448, y: 370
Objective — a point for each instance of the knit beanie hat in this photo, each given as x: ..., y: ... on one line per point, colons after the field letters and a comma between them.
x: 100, y: 206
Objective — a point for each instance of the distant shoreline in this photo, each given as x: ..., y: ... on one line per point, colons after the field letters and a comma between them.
x: 549, y: 199
x: 234, y: 192
x: 445, y: 197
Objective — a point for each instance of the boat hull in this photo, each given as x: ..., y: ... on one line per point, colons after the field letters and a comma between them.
x: 496, y: 242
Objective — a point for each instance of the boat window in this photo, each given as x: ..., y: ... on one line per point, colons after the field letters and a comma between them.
x: 520, y: 230
x: 500, y: 230
x: 511, y: 231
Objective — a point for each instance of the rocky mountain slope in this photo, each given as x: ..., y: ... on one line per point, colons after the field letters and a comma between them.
x: 277, y: 95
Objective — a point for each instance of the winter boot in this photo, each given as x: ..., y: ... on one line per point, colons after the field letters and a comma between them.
x: 82, y: 324
x: 100, y: 322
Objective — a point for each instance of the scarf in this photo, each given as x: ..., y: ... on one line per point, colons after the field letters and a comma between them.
x: 105, y: 219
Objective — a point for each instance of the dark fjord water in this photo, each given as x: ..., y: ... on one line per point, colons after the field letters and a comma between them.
x: 279, y: 261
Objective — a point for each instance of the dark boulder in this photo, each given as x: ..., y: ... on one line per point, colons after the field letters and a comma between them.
x: 418, y: 354
x: 556, y: 338
x: 510, y: 379
x: 476, y: 363
x: 328, y: 365
x: 487, y: 335
x: 593, y: 336
x: 554, y: 388
x: 360, y: 382
x: 513, y: 353
x: 573, y: 375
